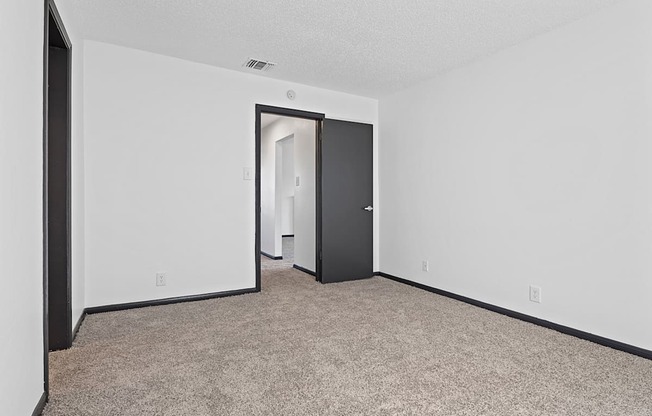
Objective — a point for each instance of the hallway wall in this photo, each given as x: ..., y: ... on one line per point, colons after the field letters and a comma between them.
x: 302, y: 133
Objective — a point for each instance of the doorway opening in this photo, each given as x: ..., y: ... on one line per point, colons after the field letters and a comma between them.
x: 287, y: 143
x: 57, y: 74
x: 343, y: 195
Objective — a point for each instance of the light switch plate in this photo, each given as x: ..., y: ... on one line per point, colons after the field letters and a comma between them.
x: 247, y: 174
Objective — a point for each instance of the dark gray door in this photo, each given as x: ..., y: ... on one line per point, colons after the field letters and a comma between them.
x: 346, y: 201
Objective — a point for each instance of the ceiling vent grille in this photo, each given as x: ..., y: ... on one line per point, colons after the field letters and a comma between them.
x: 259, y: 65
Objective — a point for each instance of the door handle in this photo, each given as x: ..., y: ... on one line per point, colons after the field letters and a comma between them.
x: 368, y: 208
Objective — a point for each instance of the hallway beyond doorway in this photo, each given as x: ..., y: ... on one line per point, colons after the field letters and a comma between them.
x: 286, y: 262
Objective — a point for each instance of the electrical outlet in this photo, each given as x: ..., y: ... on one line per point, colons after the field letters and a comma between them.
x: 535, y: 294
x: 160, y: 279
x: 424, y: 266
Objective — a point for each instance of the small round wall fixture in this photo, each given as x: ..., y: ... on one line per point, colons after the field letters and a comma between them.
x: 291, y: 94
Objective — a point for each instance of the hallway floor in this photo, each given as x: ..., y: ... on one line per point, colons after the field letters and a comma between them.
x: 288, y: 257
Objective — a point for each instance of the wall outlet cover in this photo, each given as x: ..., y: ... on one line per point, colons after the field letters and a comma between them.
x: 535, y: 294
x: 160, y: 279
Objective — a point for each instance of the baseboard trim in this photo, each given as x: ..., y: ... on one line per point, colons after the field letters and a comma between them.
x: 79, y: 323
x: 288, y: 235
x: 617, y: 345
x: 303, y: 269
x: 168, y: 301
x: 40, y: 406
x: 271, y: 257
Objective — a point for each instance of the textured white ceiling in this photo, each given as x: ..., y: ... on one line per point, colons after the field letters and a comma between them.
x: 364, y: 47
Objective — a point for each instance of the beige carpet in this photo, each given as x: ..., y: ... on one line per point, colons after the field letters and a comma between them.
x: 372, y: 347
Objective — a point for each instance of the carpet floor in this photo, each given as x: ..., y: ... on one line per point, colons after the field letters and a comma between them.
x: 371, y: 347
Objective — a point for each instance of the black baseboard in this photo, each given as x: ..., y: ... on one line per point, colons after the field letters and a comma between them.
x: 288, y: 235
x: 40, y: 405
x: 271, y: 257
x: 303, y: 269
x: 617, y: 345
x: 168, y: 301
x: 79, y: 323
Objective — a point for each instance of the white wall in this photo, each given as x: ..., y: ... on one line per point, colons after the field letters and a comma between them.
x: 532, y: 167
x: 21, y: 206
x: 165, y: 143
x: 277, y: 185
x: 287, y: 191
x: 305, y: 195
x: 270, y: 204
x: 278, y: 177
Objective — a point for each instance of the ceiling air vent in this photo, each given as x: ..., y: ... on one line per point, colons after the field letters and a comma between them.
x: 259, y: 65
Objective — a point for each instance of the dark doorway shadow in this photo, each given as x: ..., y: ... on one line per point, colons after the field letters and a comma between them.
x: 57, y: 291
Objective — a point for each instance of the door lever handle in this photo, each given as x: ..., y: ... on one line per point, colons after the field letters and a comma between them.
x: 368, y: 208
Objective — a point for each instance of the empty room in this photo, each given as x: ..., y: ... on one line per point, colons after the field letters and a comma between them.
x: 325, y: 208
